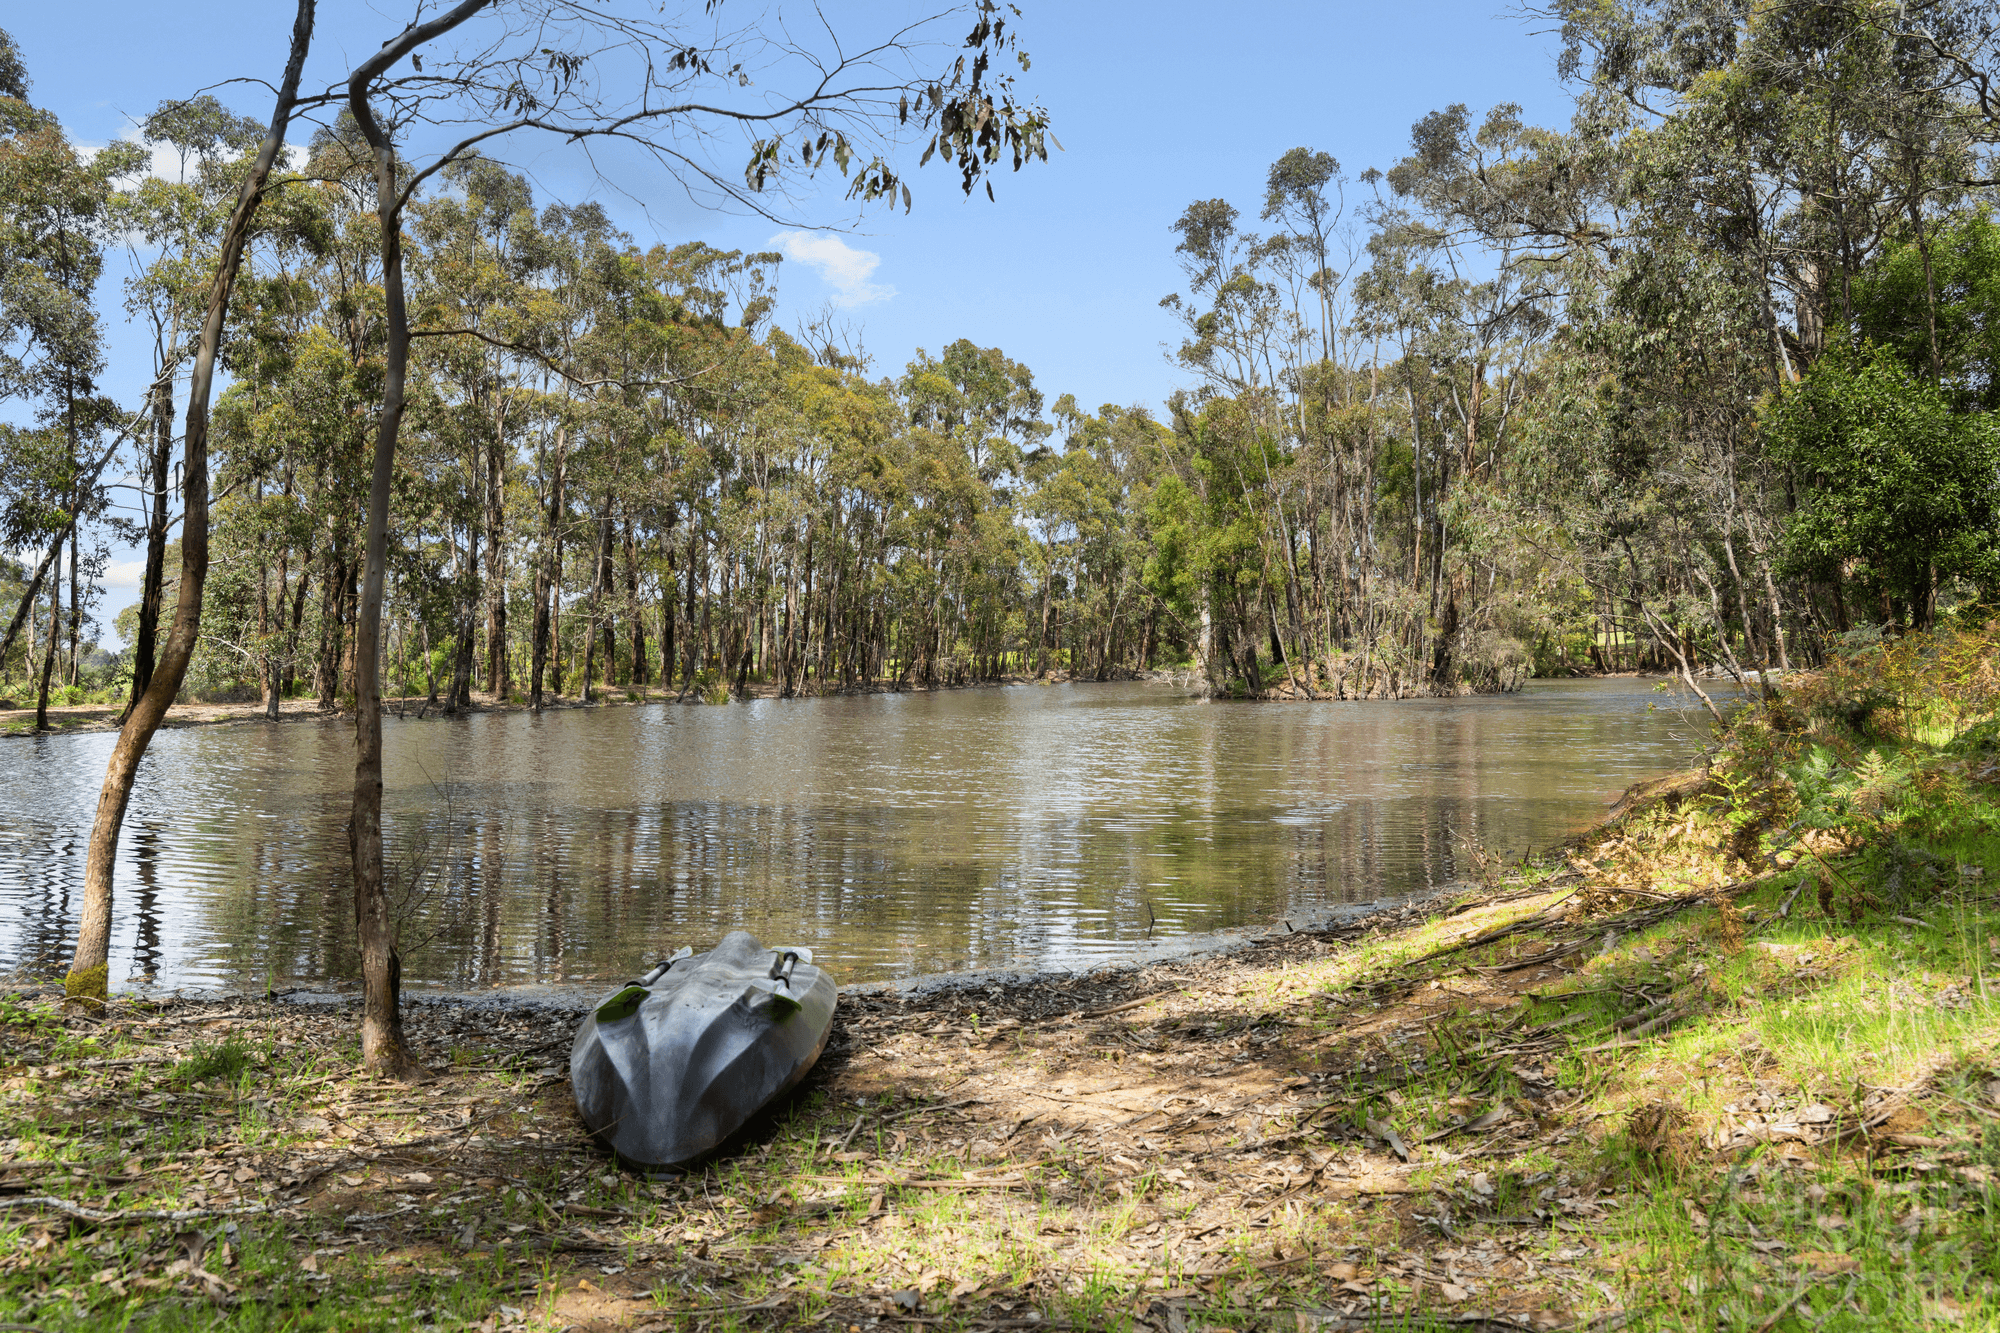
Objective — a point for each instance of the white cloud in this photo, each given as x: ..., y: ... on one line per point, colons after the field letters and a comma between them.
x: 120, y: 577
x: 839, y: 265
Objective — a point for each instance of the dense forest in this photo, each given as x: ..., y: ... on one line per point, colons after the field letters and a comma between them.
x: 1695, y: 383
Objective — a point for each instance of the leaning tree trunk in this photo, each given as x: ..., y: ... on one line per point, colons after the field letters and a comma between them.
x: 90, y: 972
x: 151, y: 592
x: 383, y: 1049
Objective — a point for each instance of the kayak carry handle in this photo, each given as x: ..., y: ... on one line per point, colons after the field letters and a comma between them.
x: 784, y: 960
x: 686, y: 951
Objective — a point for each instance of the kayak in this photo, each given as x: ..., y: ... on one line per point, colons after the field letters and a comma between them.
x: 668, y: 1066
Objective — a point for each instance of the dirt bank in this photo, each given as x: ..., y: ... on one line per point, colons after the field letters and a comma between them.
x: 18, y: 721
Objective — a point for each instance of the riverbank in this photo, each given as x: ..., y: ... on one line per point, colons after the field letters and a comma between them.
x: 75, y: 718
x: 67, y: 719
x: 1726, y: 1061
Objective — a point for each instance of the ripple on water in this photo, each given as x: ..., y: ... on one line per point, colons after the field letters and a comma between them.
x: 1030, y: 826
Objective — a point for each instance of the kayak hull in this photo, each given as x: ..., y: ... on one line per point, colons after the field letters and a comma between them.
x: 665, y: 1070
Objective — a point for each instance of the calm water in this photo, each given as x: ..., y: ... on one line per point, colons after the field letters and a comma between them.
x: 895, y: 834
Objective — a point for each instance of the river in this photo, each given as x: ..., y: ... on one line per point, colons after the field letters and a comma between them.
x: 897, y: 835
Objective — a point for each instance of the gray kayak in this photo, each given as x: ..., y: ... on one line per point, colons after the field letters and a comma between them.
x: 668, y: 1066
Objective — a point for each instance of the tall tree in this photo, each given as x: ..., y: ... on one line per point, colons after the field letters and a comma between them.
x: 517, y: 83
x: 89, y: 969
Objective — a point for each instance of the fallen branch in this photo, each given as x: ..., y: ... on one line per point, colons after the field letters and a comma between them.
x: 1543, y: 917
x: 1130, y: 1004
x: 82, y: 1214
x: 939, y: 1106
x: 1636, y: 1036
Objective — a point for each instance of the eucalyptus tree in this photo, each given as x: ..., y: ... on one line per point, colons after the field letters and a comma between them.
x: 1236, y: 340
x: 1476, y: 296
x: 983, y: 394
x: 478, y: 249
x: 89, y: 970
x: 544, y: 66
x: 180, y: 220
x: 57, y: 218
x: 1305, y: 194
x: 1763, y: 158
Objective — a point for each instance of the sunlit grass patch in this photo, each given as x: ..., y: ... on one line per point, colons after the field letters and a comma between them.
x: 219, y: 1062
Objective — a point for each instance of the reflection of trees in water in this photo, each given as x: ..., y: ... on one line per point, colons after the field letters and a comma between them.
x: 894, y: 890
x: 1086, y: 837
x: 493, y: 899
x: 885, y: 890
x: 555, y: 936
x: 44, y: 863
x: 147, y: 842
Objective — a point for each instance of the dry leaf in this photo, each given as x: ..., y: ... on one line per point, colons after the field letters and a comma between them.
x: 1452, y: 1292
x: 1820, y: 1261
x: 1390, y: 1137
x: 1945, y: 1310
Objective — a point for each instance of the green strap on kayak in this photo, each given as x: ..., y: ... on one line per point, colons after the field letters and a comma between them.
x: 622, y: 1005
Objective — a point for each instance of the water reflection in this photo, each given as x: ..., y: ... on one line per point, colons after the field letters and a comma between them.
x: 895, y: 834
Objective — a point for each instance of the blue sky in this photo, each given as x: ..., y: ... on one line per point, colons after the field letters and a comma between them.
x: 1155, y: 105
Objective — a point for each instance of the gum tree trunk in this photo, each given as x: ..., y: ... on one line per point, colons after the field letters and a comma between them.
x: 383, y: 1049
x: 145, y: 643
x: 500, y: 665
x: 49, y: 657
x: 89, y: 970
x: 548, y: 573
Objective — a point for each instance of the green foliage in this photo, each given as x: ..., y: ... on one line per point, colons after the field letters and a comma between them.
x: 1899, y: 484
x: 1937, y: 307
